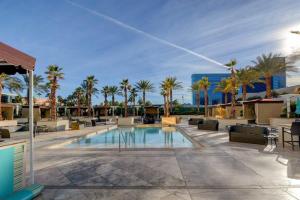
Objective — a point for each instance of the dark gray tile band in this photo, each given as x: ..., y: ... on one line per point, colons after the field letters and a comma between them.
x: 168, y: 187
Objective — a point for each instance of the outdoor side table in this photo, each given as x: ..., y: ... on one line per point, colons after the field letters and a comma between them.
x: 272, y: 138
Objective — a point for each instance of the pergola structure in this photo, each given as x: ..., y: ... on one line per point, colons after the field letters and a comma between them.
x: 13, y: 61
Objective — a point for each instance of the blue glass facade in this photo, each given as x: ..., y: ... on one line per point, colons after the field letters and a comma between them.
x: 214, y: 79
x: 278, y: 81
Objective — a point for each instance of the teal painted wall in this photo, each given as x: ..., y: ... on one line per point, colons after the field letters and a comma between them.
x: 6, y: 171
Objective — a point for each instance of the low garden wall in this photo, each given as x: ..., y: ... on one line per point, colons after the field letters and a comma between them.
x: 227, y: 122
x: 169, y: 121
x: 186, y: 117
x: 59, y: 125
x: 8, y: 123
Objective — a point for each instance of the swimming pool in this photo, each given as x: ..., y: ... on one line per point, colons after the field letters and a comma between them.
x: 153, y: 137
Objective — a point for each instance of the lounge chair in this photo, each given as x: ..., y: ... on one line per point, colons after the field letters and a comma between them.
x: 195, y: 121
x: 293, y: 131
x: 148, y: 120
x: 110, y: 121
x: 212, y: 125
x: 248, y: 134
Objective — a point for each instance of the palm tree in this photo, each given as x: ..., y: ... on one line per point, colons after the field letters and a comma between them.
x: 125, y: 86
x: 113, y: 90
x: 105, y: 91
x: 231, y: 66
x: 247, y: 77
x: 174, y: 84
x: 13, y: 84
x: 78, y: 94
x: 132, y: 97
x: 204, y: 85
x: 196, y: 88
x: 223, y: 88
x: 144, y: 86
x: 39, y: 85
x: 268, y: 66
x: 89, y: 85
x: 60, y: 100
x: 166, y: 92
x: 71, y: 100
x: 163, y: 93
x: 54, y: 74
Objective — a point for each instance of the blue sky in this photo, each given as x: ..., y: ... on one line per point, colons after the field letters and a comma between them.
x: 83, y: 42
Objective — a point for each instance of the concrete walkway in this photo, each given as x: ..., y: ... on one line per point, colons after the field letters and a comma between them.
x: 217, y: 170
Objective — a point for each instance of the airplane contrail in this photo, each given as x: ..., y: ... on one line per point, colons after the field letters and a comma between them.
x: 124, y: 25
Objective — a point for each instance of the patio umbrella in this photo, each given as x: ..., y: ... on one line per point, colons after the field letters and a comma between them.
x: 13, y: 61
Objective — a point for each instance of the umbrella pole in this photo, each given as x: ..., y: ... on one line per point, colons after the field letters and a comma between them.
x: 31, y: 133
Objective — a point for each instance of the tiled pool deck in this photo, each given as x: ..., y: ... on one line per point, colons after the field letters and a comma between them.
x: 218, y: 170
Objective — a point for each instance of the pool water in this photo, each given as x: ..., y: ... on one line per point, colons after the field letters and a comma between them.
x: 166, y: 137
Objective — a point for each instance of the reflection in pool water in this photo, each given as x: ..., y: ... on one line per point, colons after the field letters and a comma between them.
x: 167, y: 137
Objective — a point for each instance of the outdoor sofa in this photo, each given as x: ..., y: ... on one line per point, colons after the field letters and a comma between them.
x: 248, y: 134
x: 148, y: 119
x: 212, y: 125
x: 195, y: 121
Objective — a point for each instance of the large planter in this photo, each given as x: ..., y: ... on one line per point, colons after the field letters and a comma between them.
x: 169, y: 121
x: 126, y: 121
x: 58, y: 125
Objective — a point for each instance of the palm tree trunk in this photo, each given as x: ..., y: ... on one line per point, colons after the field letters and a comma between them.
x: 167, y: 106
x: 53, y: 102
x: 144, y: 98
x: 205, y: 102
x: 125, y: 103
x: 113, y: 99
x: 244, y: 88
x: 78, y: 106
x: 198, y: 101
x: 90, y: 87
x: 233, y: 91
x: 88, y: 104
x: 105, y: 104
x: 225, y: 97
x: 165, y: 111
x: 133, y: 103
x: 171, y: 100
x: 268, y: 87
x: 1, y: 89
